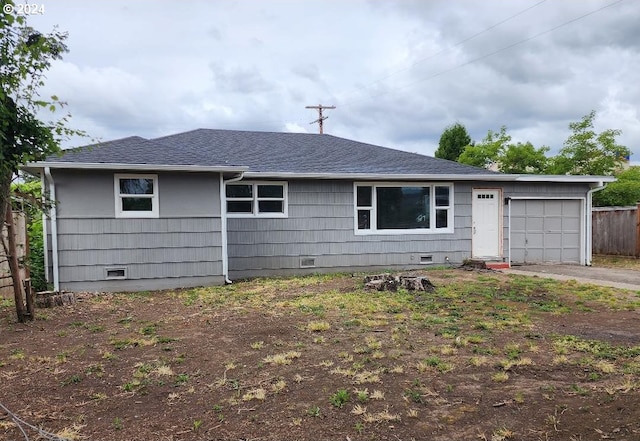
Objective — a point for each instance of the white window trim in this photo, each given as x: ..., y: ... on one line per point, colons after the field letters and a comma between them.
x: 155, y: 211
x: 255, y: 200
x: 432, y: 209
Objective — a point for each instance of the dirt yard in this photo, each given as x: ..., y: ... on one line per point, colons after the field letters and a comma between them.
x: 488, y: 356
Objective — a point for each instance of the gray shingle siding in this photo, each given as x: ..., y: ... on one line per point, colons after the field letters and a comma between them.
x: 326, y: 232
x: 182, y: 247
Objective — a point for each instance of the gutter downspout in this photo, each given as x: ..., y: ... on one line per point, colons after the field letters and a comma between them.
x: 589, y: 220
x: 54, y: 230
x: 509, y: 229
x: 223, y: 219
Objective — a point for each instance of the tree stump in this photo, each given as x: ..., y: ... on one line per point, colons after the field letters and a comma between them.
x: 417, y: 284
x: 388, y: 282
x: 49, y: 299
x: 382, y: 282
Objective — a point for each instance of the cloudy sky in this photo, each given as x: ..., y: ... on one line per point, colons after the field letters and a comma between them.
x: 398, y: 72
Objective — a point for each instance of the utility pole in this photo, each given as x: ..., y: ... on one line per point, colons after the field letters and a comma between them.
x: 321, y: 118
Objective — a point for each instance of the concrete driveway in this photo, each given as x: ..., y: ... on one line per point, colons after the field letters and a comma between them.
x: 617, y: 278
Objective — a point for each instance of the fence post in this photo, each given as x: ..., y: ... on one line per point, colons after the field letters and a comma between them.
x: 638, y: 230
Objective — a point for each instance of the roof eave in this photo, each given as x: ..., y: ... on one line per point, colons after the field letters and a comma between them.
x: 379, y: 176
x: 139, y: 167
x: 586, y: 179
x: 498, y: 177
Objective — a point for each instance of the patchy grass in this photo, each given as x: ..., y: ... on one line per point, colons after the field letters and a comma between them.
x: 486, y: 356
x: 282, y: 358
x: 318, y: 326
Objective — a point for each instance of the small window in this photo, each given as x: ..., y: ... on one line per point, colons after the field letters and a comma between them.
x: 270, y: 191
x: 364, y: 196
x: 240, y: 191
x: 136, y: 195
x: 260, y: 199
x: 442, y: 206
x: 364, y: 202
x: 364, y: 219
x: 240, y: 206
x: 239, y: 198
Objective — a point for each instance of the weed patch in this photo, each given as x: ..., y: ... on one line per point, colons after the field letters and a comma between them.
x: 340, y: 398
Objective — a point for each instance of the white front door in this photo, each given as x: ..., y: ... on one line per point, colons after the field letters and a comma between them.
x: 485, y: 223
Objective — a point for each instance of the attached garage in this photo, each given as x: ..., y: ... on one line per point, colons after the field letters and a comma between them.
x: 547, y: 231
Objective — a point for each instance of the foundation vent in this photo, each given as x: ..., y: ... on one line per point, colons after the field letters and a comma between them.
x: 307, y: 262
x: 115, y: 273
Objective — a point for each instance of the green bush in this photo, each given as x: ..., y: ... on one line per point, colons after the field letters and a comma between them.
x: 624, y: 192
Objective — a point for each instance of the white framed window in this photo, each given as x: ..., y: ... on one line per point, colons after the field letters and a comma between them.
x: 257, y: 199
x: 403, y: 208
x: 136, y: 195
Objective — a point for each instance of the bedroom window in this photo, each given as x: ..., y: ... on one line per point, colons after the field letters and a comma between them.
x: 403, y: 208
x: 136, y: 195
x: 257, y: 199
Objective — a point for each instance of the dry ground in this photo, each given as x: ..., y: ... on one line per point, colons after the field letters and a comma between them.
x: 488, y: 356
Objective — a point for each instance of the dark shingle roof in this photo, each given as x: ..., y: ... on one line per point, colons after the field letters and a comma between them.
x: 137, y: 150
x: 266, y: 152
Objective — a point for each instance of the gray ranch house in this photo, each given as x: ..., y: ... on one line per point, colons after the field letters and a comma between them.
x: 208, y: 206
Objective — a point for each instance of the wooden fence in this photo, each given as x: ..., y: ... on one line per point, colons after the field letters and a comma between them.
x: 616, y: 231
x: 6, y: 287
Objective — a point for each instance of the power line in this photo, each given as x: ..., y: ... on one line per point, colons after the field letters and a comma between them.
x: 459, y: 43
x: 540, y: 34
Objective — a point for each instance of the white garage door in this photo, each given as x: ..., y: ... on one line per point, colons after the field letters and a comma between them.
x: 546, y: 231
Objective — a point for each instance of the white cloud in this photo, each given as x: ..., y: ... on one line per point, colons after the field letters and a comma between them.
x: 398, y: 72
x: 294, y: 128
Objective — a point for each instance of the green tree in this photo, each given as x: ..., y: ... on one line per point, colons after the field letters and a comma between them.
x: 486, y: 152
x: 25, y: 56
x: 523, y: 158
x: 452, y: 142
x: 586, y: 152
x: 624, y: 192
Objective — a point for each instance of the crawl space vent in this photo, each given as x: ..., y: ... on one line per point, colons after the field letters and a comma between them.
x: 115, y: 273
x: 307, y: 262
